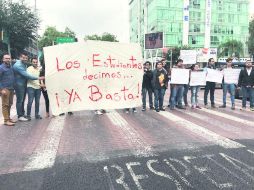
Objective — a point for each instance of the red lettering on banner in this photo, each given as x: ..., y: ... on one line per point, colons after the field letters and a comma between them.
x: 95, y: 94
x: 110, y: 60
x: 57, y: 66
x: 132, y: 59
x: 68, y: 65
x: 96, y: 60
x: 76, y: 96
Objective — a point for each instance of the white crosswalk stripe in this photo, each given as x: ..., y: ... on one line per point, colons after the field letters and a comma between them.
x: 201, y: 131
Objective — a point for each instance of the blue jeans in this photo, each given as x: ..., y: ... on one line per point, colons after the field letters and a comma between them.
x: 33, y: 94
x: 159, y: 98
x: 185, y: 93
x: 210, y: 86
x: 150, y: 95
x: 194, y: 95
x: 231, y: 89
x: 20, y: 91
x: 177, y: 96
x: 250, y: 92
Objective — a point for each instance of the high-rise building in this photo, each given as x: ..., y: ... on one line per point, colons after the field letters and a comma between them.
x: 196, y: 23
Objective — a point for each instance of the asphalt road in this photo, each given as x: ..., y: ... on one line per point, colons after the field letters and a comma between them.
x: 180, y: 149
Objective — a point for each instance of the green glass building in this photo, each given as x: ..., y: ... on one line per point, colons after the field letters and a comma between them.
x: 196, y: 23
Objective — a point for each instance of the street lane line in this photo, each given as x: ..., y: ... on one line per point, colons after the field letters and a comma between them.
x: 227, y: 116
x: 132, y: 137
x: 200, y: 131
x: 45, y: 153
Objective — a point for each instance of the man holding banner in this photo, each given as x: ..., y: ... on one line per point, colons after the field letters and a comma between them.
x: 230, y: 80
x: 210, y: 85
x: 179, y: 77
x: 159, y: 83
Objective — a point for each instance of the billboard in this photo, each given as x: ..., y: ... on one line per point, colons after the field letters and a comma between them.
x: 154, y: 40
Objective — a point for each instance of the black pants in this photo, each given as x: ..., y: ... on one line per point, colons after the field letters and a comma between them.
x: 210, y: 86
x: 45, y: 95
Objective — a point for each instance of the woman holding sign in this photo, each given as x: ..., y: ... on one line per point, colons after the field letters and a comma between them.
x: 196, y: 73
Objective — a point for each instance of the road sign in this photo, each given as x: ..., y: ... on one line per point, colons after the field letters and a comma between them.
x: 62, y: 40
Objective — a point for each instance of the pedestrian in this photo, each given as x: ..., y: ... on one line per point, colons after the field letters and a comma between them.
x: 210, y: 86
x: 195, y: 89
x: 43, y: 86
x: 159, y: 84
x: 33, y: 89
x: 177, y: 90
x: 246, y: 82
x: 7, y: 88
x: 21, y: 77
x: 228, y: 87
x: 147, y: 86
x: 185, y: 91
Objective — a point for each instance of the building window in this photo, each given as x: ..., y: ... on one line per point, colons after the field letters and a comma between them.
x: 196, y: 4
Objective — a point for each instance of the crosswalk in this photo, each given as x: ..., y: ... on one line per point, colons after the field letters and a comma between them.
x: 140, y: 134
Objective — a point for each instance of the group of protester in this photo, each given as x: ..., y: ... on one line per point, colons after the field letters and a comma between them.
x: 24, y: 79
x: 157, y: 81
x: 29, y: 79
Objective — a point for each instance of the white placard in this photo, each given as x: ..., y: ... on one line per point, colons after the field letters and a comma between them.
x: 231, y: 76
x: 180, y: 76
x: 214, y: 76
x: 198, y: 78
x: 188, y: 56
x: 93, y: 75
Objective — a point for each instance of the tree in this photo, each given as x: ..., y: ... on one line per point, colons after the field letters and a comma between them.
x: 19, y: 22
x: 251, y: 37
x: 232, y: 48
x: 51, y: 33
x: 105, y: 37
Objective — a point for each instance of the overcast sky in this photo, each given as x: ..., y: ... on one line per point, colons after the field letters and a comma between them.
x: 87, y: 17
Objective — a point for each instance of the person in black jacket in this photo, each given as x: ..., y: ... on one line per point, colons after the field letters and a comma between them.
x: 159, y: 83
x: 246, y: 81
x: 147, y: 85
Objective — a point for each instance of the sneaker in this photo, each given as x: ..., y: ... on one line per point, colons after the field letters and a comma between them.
x: 8, y: 123
x: 157, y: 110
x: 243, y: 108
x: 151, y: 108
x: 38, y: 117
x: 198, y: 107
x: 12, y: 121
x: 61, y: 114
x: 134, y: 110
x: 162, y: 109
x: 213, y: 106
x: 143, y: 109
x: 70, y: 113
x: 98, y: 112
x: 222, y: 106
x: 206, y: 106
x: 251, y: 109
x: 233, y: 107
x: 181, y: 108
x: 22, y: 118
x: 28, y: 117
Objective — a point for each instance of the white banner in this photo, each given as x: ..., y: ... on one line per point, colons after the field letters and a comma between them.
x: 214, y: 76
x: 231, y: 76
x: 198, y: 78
x: 180, y: 76
x: 188, y: 56
x: 204, y: 54
x: 93, y: 75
